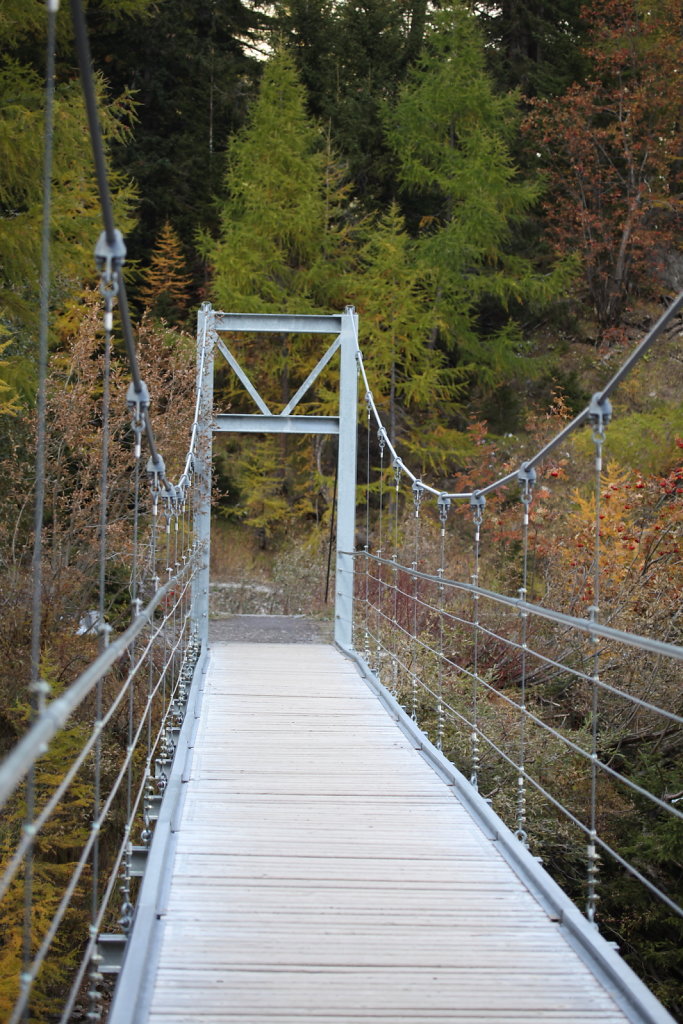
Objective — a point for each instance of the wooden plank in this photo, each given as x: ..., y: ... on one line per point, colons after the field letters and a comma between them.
x: 324, y: 873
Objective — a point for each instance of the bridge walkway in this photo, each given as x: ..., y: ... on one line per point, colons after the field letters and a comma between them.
x: 325, y: 873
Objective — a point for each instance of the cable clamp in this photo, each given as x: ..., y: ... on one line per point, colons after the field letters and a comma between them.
x: 156, y: 468
x: 109, y: 258
x: 398, y: 470
x: 137, y: 401
x: 477, y: 504
x: 527, y: 476
x: 599, y: 413
x: 443, y: 503
x: 418, y: 495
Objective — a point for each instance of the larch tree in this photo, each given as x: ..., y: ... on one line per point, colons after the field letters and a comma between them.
x: 282, y: 247
x: 452, y: 135
x: 166, y: 288
x: 75, y: 219
x: 417, y: 393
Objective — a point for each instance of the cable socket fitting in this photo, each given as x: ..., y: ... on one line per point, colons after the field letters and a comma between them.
x: 477, y: 503
x: 443, y: 503
x: 526, y: 475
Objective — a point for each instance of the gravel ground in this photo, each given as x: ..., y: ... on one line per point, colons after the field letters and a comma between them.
x: 271, y: 629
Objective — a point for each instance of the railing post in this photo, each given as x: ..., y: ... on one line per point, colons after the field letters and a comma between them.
x: 202, y: 472
x: 346, y: 508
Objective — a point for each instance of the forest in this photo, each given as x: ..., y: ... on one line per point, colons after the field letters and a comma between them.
x: 495, y: 186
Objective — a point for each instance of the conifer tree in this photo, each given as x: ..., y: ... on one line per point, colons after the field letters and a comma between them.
x: 281, y: 248
x: 408, y: 376
x: 76, y: 218
x: 166, y: 287
x: 452, y: 135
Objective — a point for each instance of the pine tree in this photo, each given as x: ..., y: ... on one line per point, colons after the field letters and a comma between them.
x: 452, y: 135
x: 352, y: 58
x: 535, y: 44
x: 192, y: 68
x: 166, y: 287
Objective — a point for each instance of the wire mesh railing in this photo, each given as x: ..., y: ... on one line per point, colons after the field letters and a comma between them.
x: 544, y: 662
x: 82, y: 785
x: 83, y: 782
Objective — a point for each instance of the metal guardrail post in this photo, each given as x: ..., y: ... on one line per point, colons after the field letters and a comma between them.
x: 346, y: 508
x: 202, y: 471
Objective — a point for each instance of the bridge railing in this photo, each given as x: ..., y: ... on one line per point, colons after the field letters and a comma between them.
x: 80, y: 791
x: 507, y: 653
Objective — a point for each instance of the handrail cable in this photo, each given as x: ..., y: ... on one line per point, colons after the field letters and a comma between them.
x: 585, y: 625
x: 453, y: 713
x: 576, y: 673
x: 33, y: 743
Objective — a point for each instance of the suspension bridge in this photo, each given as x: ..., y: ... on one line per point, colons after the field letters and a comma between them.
x: 296, y: 843
x: 346, y: 832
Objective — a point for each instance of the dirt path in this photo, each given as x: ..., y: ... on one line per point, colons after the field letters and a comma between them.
x: 271, y: 629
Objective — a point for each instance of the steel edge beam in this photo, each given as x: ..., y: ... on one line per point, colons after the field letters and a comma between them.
x: 133, y: 990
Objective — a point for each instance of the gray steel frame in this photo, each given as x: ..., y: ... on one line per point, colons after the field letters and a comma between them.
x: 345, y: 328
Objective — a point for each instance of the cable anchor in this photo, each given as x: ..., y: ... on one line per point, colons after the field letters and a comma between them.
x: 527, y: 477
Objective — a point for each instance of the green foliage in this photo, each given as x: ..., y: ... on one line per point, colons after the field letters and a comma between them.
x: 76, y: 219
x: 642, y: 441
x: 452, y: 133
x: 415, y: 389
x: 352, y: 57
x: 535, y: 43
x: 283, y: 247
x: 191, y: 67
x: 277, y: 224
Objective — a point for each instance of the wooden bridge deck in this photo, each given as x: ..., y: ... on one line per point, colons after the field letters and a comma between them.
x: 324, y: 872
